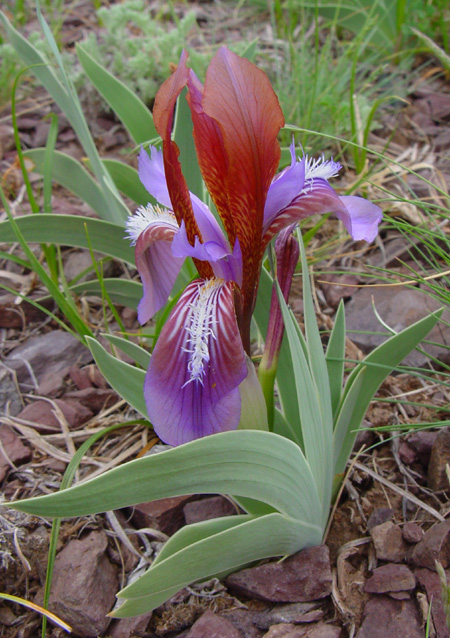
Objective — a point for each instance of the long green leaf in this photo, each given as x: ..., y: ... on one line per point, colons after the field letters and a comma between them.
x: 335, y: 357
x: 127, y: 181
x: 138, y: 354
x: 375, y: 368
x: 123, y: 292
x: 309, y: 405
x: 183, y: 537
x: 126, y: 380
x: 68, y: 172
x: 251, y: 463
x: 322, y: 437
x: 67, y: 99
x: 70, y: 230
x: 133, y: 113
x: 254, y: 539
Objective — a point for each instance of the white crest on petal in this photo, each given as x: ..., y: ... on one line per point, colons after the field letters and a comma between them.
x: 320, y: 167
x: 201, y: 328
x: 143, y: 217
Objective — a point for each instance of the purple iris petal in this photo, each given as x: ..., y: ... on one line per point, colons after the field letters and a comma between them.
x: 192, y: 384
x: 360, y: 217
x: 152, y: 175
x: 285, y: 187
x: 157, y: 267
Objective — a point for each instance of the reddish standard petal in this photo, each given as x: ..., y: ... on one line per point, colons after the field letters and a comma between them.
x: 211, y: 155
x: 192, y: 384
x: 178, y: 190
x: 239, y: 97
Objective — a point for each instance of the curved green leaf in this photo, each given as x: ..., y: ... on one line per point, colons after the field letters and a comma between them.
x: 127, y: 381
x: 251, y: 540
x: 67, y: 99
x: 124, y: 292
x: 133, y: 113
x: 335, y: 357
x: 256, y: 464
x: 127, y: 181
x: 140, y: 356
x: 70, y: 230
x: 68, y: 172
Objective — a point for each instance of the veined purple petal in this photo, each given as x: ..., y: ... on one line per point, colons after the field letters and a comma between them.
x: 360, y: 217
x: 192, y: 384
x: 153, y: 232
x: 152, y: 175
x: 285, y: 187
x: 225, y: 265
x: 215, y: 248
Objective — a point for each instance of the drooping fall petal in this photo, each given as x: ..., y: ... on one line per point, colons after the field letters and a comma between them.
x: 153, y: 233
x: 192, y: 384
x: 360, y: 217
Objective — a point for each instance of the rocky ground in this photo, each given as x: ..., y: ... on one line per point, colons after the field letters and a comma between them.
x: 374, y: 576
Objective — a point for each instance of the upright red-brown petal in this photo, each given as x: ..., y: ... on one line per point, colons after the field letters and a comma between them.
x: 211, y: 154
x: 239, y: 97
x: 178, y: 190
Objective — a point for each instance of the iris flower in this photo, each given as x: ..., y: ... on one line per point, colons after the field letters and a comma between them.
x: 200, y: 369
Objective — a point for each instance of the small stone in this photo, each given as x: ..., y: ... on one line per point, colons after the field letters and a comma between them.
x: 165, y: 514
x: 320, y: 630
x: 51, y: 352
x: 84, y: 585
x: 129, y: 626
x: 285, y: 630
x: 412, y: 533
x: 406, y: 453
x: 42, y: 414
x: 95, y: 399
x: 440, y: 456
x: 210, y: 625
x: 385, y: 617
x: 399, y: 309
x: 52, y: 384
x: 379, y: 516
x: 245, y: 620
x: 390, y: 578
x: 10, y: 401
x: 80, y: 376
x: 302, y: 577
x: 435, y: 546
x: 207, y: 508
x: 388, y: 542
x: 336, y: 287
x: 293, y: 613
x: 430, y: 581
x: 7, y: 617
x: 399, y: 595
x: 12, y: 450
x: 422, y: 442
